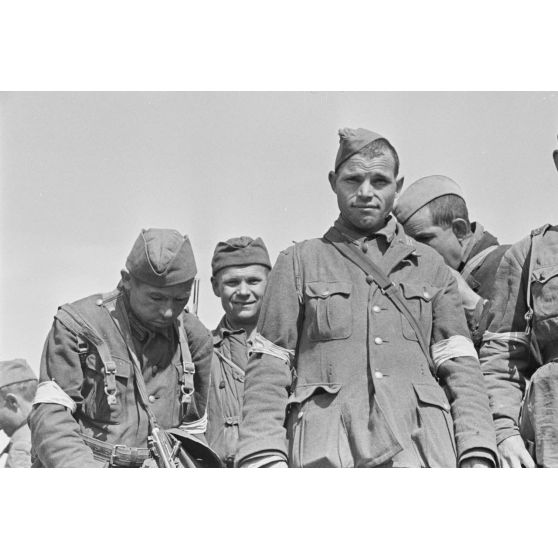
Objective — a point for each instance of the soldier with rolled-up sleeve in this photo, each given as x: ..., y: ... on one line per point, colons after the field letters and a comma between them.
x: 360, y: 365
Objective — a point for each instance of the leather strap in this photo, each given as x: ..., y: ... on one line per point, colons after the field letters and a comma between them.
x: 386, y: 286
x: 117, y: 455
x: 476, y: 261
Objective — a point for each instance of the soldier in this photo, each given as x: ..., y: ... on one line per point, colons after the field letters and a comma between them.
x: 118, y: 369
x: 433, y: 211
x: 240, y: 267
x: 18, y: 385
x: 371, y: 322
x: 519, y: 353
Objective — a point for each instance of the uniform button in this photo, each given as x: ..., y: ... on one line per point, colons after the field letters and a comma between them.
x: 222, y: 384
x: 378, y: 340
x: 155, y: 369
x: 364, y: 247
x: 151, y: 399
x: 300, y: 414
x: 326, y: 293
x: 378, y: 374
x: 426, y: 295
x: 446, y: 406
x: 99, y: 301
x: 376, y: 309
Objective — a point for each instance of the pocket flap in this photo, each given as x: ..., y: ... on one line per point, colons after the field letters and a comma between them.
x: 322, y: 289
x: 421, y: 290
x: 543, y: 275
x: 304, y: 392
x: 431, y: 394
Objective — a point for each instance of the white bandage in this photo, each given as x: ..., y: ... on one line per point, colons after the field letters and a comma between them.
x: 455, y: 346
x: 51, y: 392
x: 262, y: 345
x: 509, y: 337
x: 197, y: 426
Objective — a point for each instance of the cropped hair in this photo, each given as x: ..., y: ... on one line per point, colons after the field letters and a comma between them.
x: 26, y: 389
x: 379, y: 147
x: 445, y: 209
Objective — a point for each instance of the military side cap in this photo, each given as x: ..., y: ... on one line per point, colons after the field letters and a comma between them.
x: 15, y: 371
x: 239, y: 251
x: 162, y: 258
x: 422, y: 192
x: 352, y: 141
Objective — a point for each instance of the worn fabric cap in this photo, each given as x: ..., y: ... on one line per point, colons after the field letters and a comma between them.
x: 351, y: 141
x: 422, y: 192
x: 14, y: 371
x: 162, y: 258
x: 241, y: 250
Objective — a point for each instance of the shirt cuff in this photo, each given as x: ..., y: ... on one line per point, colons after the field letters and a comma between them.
x: 260, y: 460
x: 479, y: 453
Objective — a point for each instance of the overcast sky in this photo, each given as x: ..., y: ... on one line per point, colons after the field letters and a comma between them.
x: 82, y: 173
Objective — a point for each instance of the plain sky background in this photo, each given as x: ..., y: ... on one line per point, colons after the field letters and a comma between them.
x: 82, y: 173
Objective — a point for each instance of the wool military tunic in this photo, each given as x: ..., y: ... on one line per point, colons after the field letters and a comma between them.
x: 507, y: 355
x: 364, y: 395
x: 58, y: 434
x: 226, y: 393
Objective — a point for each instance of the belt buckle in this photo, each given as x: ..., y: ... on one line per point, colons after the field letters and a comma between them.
x: 113, y: 453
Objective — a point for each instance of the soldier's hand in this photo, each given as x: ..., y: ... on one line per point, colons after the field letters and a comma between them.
x: 513, y: 453
x: 469, y: 298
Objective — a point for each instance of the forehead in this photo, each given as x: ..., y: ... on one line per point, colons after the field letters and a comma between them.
x: 243, y: 272
x: 382, y: 163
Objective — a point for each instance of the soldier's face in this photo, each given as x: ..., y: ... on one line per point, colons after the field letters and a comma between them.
x: 241, y: 291
x: 443, y: 240
x: 366, y: 189
x: 157, y: 307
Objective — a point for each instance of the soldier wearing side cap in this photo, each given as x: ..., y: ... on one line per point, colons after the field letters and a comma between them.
x: 519, y: 354
x: 371, y: 321
x: 91, y: 408
x: 433, y: 211
x: 18, y: 385
x: 240, y: 267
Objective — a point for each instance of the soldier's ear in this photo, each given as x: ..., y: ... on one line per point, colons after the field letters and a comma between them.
x: 399, y: 183
x: 332, y: 178
x: 215, y: 285
x: 555, y: 156
x: 125, y: 276
x: 12, y: 402
x: 460, y: 229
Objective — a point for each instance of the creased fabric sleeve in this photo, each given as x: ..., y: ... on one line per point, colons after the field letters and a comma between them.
x: 268, y: 377
x: 505, y: 353
x: 55, y: 435
x: 461, y: 377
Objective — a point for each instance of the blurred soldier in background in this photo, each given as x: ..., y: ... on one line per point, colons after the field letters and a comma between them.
x: 386, y: 374
x: 519, y: 354
x: 120, y: 369
x: 18, y: 385
x: 433, y: 211
x: 240, y: 267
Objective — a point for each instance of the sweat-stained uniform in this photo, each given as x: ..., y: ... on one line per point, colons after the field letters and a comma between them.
x: 517, y: 351
x: 226, y: 394
x: 478, y: 268
x: 364, y: 395
x: 64, y: 433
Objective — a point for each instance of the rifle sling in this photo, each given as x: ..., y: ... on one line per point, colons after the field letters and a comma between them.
x: 386, y: 286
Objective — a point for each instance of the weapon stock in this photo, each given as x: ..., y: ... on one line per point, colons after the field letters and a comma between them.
x: 160, y: 446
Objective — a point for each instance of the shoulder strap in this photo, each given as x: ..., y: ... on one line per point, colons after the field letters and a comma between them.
x: 76, y: 323
x: 298, y: 274
x: 536, y: 237
x: 228, y: 361
x: 386, y: 286
x: 188, y: 368
x: 476, y: 261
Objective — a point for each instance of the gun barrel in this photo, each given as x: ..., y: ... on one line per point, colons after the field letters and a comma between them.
x: 163, y: 450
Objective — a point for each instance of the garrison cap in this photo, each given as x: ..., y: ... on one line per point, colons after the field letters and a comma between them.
x: 15, y: 371
x: 421, y: 193
x: 352, y: 141
x: 162, y: 258
x: 242, y: 250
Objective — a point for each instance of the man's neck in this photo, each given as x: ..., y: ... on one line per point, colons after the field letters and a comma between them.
x: 233, y: 326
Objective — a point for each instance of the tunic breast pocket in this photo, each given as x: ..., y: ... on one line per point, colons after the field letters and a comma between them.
x: 328, y: 310
x: 418, y: 297
x: 95, y: 405
x: 544, y: 288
